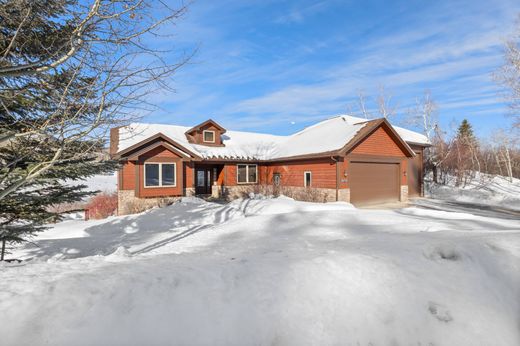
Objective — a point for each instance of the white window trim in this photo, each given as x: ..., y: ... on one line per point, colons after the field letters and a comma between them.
x: 305, y: 180
x: 247, y: 173
x: 204, y: 136
x: 160, y: 174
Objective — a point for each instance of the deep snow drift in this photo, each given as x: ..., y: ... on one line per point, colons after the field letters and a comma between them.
x: 268, y: 272
x: 484, y: 190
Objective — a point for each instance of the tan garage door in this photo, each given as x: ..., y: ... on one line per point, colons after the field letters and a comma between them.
x: 372, y: 183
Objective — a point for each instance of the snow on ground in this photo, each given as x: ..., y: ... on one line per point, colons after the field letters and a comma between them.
x: 268, y: 272
x: 485, y: 190
x: 99, y: 182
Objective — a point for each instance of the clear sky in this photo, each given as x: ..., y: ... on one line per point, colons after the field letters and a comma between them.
x: 277, y: 66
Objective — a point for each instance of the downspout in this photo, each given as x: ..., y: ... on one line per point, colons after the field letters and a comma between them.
x: 337, y: 177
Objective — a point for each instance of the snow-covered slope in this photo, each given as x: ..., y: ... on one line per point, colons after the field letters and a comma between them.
x: 99, y: 182
x: 484, y: 189
x: 268, y: 272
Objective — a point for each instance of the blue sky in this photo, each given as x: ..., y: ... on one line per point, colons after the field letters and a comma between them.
x: 277, y: 66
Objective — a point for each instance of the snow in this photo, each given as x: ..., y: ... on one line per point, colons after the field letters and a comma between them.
x: 99, y: 182
x: 268, y: 272
x: 326, y: 136
x: 483, y: 190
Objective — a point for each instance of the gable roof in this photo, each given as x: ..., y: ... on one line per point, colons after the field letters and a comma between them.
x: 207, y: 122
x: 326, y: 137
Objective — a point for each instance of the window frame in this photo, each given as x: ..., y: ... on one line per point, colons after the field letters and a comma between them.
x: 247, y: 173
x: 204, y: 136
x: 160, y: 164
x: 305, y: 179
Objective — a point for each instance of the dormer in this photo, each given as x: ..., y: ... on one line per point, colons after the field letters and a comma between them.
x: 207, y: 133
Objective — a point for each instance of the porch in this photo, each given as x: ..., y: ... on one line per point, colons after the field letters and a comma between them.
x: 209, y: 179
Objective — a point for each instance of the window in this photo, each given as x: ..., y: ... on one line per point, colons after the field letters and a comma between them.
x: 307, y: 179
x: 247, y: 174
x: 159, y: 174
x: 209, y: 136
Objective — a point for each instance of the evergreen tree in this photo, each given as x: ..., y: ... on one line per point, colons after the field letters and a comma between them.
x: 68, y: 74
x: 465, y: 133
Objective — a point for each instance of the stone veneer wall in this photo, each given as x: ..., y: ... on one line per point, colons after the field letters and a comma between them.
x: 298, y: 193
x: 404, y: 193
x: 127, y: 203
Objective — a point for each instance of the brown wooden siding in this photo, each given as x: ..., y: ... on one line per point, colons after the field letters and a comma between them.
x: 378, y: 143
x: 292, y: 173
x: 189, y: 174
x: 415, y: 173
x: 127, y: 178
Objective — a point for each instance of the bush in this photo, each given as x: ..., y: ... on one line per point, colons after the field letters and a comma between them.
x: 102, y: 205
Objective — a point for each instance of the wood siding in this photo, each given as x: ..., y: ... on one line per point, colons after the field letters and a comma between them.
x: 292, y: 173
x: 127, y: 178
x: 415, y: 173
x: 379, y: 143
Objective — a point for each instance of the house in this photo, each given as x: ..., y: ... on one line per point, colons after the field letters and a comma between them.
x: 340, y: 159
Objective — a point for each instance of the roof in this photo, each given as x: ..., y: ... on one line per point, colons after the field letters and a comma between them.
x: 327, y: 136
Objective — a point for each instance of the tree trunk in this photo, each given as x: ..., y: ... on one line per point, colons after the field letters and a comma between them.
x: 3, y: 250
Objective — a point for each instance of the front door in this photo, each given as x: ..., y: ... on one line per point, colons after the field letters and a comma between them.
x: 203, y: 181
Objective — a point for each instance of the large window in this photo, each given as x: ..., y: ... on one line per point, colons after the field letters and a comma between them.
x: 247, y: 174
x: 159, y: 174
x: 209, y: 136
x: 307, y: 177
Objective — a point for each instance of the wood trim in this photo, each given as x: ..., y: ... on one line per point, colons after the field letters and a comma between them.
x: 152, y: 138
x: 369, y: 129
x: 373, y: 158
x: 160, y: 163
x: 337, y: 179
x: 199, y: 126
x: 135, y: 155
x: 137, y: 180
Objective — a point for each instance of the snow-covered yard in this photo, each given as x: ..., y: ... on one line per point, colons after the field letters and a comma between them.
x: 268, y: 272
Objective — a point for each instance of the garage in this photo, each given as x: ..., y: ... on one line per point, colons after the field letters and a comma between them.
x: 374, y: 182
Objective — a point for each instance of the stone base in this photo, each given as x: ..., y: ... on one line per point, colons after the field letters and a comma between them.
x: 189, y: 191
x: 127, y: 203
x: 344, y: 195
x: 298, y: 193
x: 404, y: 193
x: 215, y: 191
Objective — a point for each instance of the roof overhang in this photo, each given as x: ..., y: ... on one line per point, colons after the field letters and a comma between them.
x: 154, y: 142
x: 207, y: 122
x: 370, y: 127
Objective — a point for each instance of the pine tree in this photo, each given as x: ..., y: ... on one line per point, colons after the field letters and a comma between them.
x: 68, y: 74
x: 465, y: 132
x: 466, y: 153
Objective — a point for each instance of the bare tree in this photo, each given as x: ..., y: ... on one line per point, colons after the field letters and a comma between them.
x: 509, y: 74
x: 362, y: 105
x: 386, y: 108
x: 70, y: 70
x: 385, y: 105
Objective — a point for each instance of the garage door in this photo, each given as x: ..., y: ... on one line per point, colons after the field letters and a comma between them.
x: 372, y: 183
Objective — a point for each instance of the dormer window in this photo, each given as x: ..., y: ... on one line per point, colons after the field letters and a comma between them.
x: 208, y: 133
x: 208, y: 136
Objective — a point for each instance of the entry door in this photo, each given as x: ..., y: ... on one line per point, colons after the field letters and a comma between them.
x: 203, y: 181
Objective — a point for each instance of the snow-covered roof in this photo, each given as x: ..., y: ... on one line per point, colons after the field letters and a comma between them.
x: 326, y: 136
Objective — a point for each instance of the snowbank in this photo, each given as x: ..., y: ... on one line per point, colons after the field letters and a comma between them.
x: 269, y: 272
x: 483, y: 190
